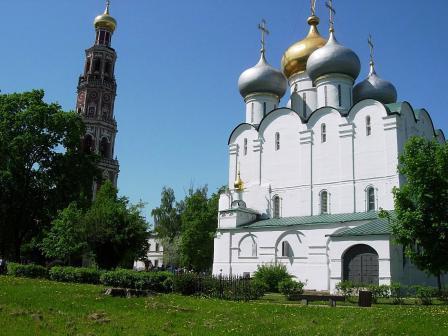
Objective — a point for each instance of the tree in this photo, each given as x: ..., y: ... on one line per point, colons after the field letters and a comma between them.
x: 116, y: 232
x: 111, y: 231
x: 66, y: 238
x: 168, y: 225
x: 421, y: 205
x: 42, y: 167
x: 199, y: 224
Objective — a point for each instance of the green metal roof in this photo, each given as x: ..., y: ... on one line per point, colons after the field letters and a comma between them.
x: 314, y: 220
x: 379, y: 226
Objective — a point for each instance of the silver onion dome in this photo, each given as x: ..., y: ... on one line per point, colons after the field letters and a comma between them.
x: 373, y: 87
x: 333, y: 58
x: 262, y: 78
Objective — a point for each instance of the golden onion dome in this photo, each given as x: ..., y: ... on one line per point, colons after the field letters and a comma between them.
x: 239, y: 184
x: 105, y: 21
x: 295, y: 57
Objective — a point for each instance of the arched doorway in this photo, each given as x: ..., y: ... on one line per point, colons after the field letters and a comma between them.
x: 360, y: 265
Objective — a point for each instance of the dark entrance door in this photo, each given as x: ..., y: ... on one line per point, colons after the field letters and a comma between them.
x: 360, y: 265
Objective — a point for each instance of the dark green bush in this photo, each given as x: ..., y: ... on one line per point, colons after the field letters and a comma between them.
x: 345, y: 288
x: 75, y: 274
x: 189, y: 284
x: 123, y: 278
x: 290, y: 288
x: 424, y: 294
x: 272, y: 275
x: 27, y: 271
x: 379, y: 291
x: 397, y: 293
x: 257, y: 289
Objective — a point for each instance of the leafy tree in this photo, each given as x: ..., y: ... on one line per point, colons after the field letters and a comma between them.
x: 66, y: 238
x: 168, y: 225
x: 112, y: 231
x: 421, y: 223
x: 199, y: 224
x: 116, y: 232
x: 42, y: 167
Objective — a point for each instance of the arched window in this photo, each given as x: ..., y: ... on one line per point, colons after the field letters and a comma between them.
x: 91, y: 111
x: 88, y: 144
x: 368, y: 126
x: 104, y: 148
x: 286, y: 249
x: 277, y: 141
x: 370, y: 193
x: 157, y: 247
x: 323, y: 133
x: 340, y: 95
x: 324, y: 202
x: 245, y: 146
x: 87, y: 69
x: 276, y: 207
x: 108, y: 68
x: 96, y: 65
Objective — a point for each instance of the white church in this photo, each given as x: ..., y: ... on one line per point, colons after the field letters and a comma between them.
x: 306, y: 181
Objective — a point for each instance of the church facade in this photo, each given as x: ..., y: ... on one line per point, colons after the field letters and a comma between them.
x: 306, y: 181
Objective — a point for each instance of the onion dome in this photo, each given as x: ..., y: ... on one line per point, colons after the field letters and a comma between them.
x: 333, y: 58
x: 105, y: 21
x: 239, y: 184
x: 295, y: 57
x: 373, y: 87
x: 262, y: 78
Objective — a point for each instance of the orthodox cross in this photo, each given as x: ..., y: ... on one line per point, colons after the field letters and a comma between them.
x: 313, y: 7
x: 264, y: 31
x: 371, y: 47
x: 329, y: 5
x: 107, y: 6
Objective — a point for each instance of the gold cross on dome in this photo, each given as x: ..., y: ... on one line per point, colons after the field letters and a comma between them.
x: 264, y: 31
x: 371, y: 47
x: 329, y: 5
x: 107, y: 6
x: 313, y: 7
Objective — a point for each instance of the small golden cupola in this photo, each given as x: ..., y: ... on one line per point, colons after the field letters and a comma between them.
x: 239, y: 184
x: 295, y: 57
x: 105, y: 21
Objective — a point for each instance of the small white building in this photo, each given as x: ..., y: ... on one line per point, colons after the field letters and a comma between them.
x: 154, y: 257
x: 306, y: 181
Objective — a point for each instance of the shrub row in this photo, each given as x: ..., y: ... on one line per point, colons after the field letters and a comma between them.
x: 75, y: 274
x: 27, y: 271
x: 290, y: 288
x: 155, y: 281
x: 396, y: 291
x: 272, y: 275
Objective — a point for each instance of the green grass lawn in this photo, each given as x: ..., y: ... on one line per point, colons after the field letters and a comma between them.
x: 40, y: 307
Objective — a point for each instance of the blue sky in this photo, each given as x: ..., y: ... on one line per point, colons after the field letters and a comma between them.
x: 179, y: 62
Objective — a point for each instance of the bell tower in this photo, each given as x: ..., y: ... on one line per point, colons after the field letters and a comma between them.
x: 96, y: 97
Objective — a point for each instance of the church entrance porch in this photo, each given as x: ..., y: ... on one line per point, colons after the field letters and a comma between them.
x: 360, y: 265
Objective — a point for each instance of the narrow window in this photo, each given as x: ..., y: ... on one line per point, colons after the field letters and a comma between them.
x: 276, y: 211
x: 368, y: 126
x: 91, y: 112
x: 326, y: 96
x: 340, y: 94
x: 324, y: 202
x: 277, y: 141
x: 157, y: 247
x: 156, y: 263
x: 245, y: 146
x: 304, y: 103
x: 149, y: 247
x: 323, y: 133
x: 252, y: 112
x: 264, y: 109
x: 104, y: 148
x: 286, y: 249
x: 254, y: 249
x: 370, y: 199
